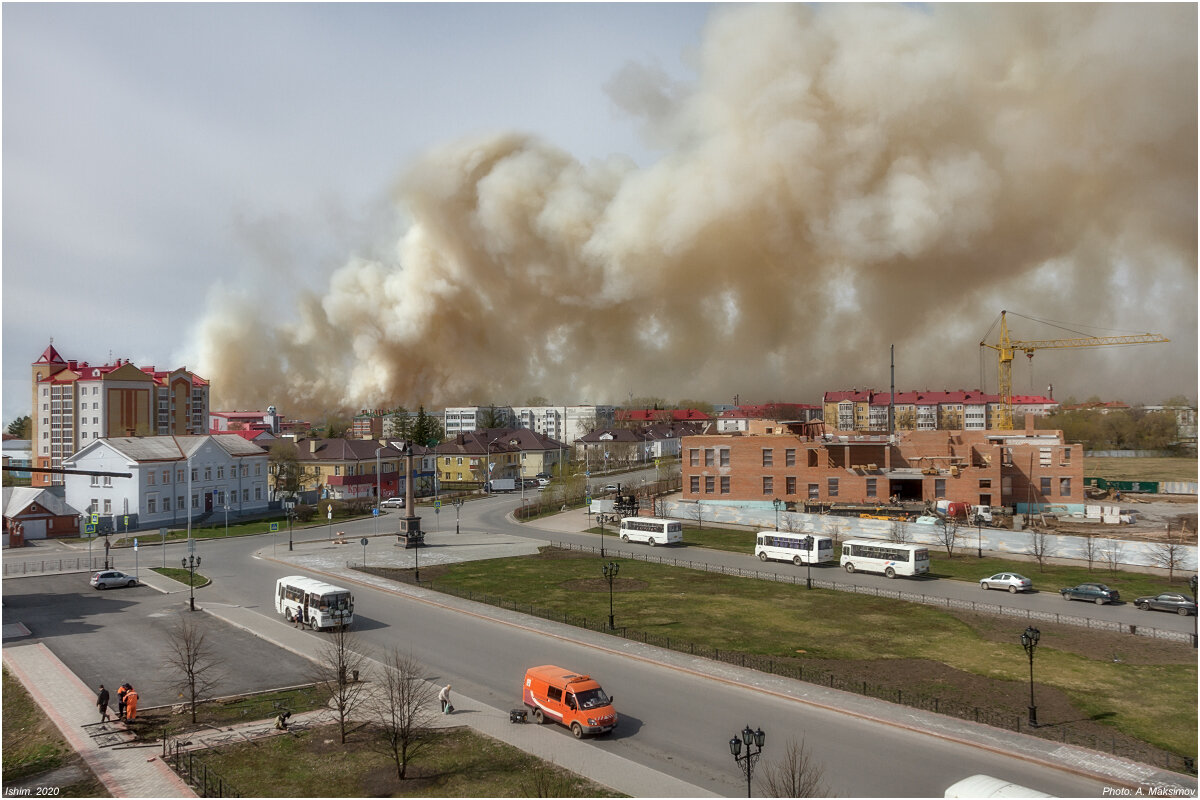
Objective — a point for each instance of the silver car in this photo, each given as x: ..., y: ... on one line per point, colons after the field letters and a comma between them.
x: 1007, y: 580
x: 110, y: 577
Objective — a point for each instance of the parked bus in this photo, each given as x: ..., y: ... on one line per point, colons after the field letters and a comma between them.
x: 987, y: 786
x: 319, y: 604
x: 798, y: 548
x: 651, y: 530
x: 890, y: 558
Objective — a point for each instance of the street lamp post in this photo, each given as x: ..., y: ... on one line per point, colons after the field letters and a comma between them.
x: 600, y: 517
x: 979, y: 536
x: 610, y: 573
x: 812, y: 546
x: 1196, y: 616
x: 752, y: 739
x: 190, y: 563
x: 778, y: 504
x: 291, y: 514
x: 458, y: 501
x: 1029, y: 640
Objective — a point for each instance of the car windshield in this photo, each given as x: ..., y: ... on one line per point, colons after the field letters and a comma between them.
x: 592, y: 698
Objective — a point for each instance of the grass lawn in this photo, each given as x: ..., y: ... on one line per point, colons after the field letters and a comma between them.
x: 1141, y: 469
x: 33, y: 746
x: 455, y: 763
x: 1149, y: 694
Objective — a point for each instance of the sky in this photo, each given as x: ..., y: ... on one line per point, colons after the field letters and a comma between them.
x: 335, y: 207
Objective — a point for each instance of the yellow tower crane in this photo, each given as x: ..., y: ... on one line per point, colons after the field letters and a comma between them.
x: 1006, y: 347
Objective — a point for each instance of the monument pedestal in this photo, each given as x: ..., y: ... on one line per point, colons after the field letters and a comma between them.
x: 410, y: 534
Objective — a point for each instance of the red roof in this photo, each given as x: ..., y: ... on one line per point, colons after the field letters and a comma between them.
x: 658, y: 414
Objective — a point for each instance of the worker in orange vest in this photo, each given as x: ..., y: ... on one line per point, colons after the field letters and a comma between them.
x: 131, y: 700
x: 121, y: 692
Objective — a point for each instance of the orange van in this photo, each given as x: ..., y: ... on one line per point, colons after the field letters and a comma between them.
x: 569, y: 699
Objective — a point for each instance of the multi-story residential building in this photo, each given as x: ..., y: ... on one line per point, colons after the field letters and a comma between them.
x: 738, y: 418
x: 346, y: 469
x: 465, y: 419
x: 171, y: 478
x: 269, y: 420
x: 478, y: 456
x: 368, y: 425
x: 75, y: 404
x: 868, y: 410
x: 978, y: 467
x: 613, y: 447
x: 563, y: 423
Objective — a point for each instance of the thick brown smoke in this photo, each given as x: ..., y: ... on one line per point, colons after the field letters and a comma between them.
x: 837, y: 180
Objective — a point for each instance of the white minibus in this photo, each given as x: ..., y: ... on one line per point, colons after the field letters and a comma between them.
x: 798, y: 548
x: 321, y: 605
x: 651, y: 530
x: 890, y: 558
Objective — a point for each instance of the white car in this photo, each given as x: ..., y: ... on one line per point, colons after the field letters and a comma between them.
x: 1007, y: 580
x: 393, y: 502
x: 110, y: 577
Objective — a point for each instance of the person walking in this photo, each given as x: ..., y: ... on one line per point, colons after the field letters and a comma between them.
x: 131, y: 701
x: 444, y: 697
x: 102, y: 703
x: 122, y: 690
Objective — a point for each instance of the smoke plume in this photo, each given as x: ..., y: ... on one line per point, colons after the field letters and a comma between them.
x: 838, y: 179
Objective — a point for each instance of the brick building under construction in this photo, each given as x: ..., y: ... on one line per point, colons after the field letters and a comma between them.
x: 795, y: 463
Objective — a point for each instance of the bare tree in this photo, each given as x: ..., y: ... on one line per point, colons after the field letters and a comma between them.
x: 191, y: 661
x: 1091, y: 550
x: 1112, y: 554
x: 403, y: 709
x: 544, y: 779
x: 1170, y: 555
x: 337, y: 668
x: 947, y: 534
x: 694, y: 511
x: 1041, y: 546
x: 898, y: 532
x: 796, y: 773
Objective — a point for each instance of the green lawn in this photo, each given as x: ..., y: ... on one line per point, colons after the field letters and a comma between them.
x: 1154, y: 701
x: 1141, y: 469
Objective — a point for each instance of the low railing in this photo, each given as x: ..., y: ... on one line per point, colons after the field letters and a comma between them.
x: 16, y: 569
x: 189, y: 765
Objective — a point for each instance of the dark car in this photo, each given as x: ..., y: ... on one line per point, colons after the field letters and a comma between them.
x: 1181, y: 604
x: 1098, y: 593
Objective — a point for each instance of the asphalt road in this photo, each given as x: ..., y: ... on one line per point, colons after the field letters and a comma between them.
x: 674, y: 720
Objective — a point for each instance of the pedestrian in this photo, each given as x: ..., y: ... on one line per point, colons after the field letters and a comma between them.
x: 131, y: 701
x: 122, y: 690
x: 102, y: 703
x: 444, y: 697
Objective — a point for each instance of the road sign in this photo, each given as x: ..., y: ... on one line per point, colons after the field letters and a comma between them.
x: 95, y: 519
x: 329, y: 513
x: 89, y: 531
x: 135, y: 543
x: 363, y: 541
x: 274, y: 527
x: 374, y: 512
x: 437, y: 503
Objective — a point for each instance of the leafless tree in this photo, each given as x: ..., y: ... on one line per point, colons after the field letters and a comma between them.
x: 1091, y: 550
x: 1168, y: 554
x: 544, y: 779
x: 1041, y: 546
x: 694, y: 511
x: 338, y: 667
x: 192, y: 662
x: 947, y: 534
x: 1112, y: 554
x: 796, y: 773
x: 403, y: 709
x: 898, y: 532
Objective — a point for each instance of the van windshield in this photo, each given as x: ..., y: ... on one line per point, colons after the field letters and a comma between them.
x: 592, y: 698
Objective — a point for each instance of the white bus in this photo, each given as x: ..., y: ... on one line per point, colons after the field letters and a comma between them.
x: 798, y: 548
x: 890, y: 558
x: 319, y: 604
x: 987, y: 786
x: 651, y: 530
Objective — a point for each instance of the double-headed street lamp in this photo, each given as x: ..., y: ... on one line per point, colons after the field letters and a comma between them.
x: 190, y: 563
x: 812, y: 547
x: 778, y: 505
x: 610, y: 573
x: 458, y: 503
x: 752, y: 739
x: 1029, y: 640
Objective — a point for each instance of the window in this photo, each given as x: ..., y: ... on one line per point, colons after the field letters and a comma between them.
x: 1066, y: 455
x: 95, y: 480
x: 1045, y: 485
x: 1064, y: 487
x: 724, y: 456
x: 179, y: 502
x: 166, y: 504
x: 833, y: 487
x: 108, y: 481
x: 150, y: 478
x: 195, y: 474
x: 710, y: 457
x: 694, y: 484
x: 221, y: 497
x: 939, y: 487
x: 693, y: 457
x: 871, y: 487
x: 768, y: 485
x: 791, y: 485
x: 151, y: 505
x: 258, y: 493
x: 710, y: 483
x: 179, y: 476
x: 166, y: 476
x: 337, y: 469
x: 220, y: 473
x: 813, y: 460
x: 814, y: 491
x: 789, y: 457
x: 724, y: 484
x: 107, y: 506
x: 245, y: 495
x: 208, y: 473
x: 768, y: 457
x: 985, y: 483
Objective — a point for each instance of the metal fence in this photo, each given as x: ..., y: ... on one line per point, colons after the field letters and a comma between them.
x: 911, y: 597
x: 1115, y: 744
x: 190, y: 767
x: 49, y: 565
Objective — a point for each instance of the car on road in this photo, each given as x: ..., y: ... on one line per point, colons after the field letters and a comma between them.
x: 612, y: 487
x: 1181, y: 604
x: 110, y: 578
x: 1097, y: 593
x: 1007, y: 580
x: 393, y: 502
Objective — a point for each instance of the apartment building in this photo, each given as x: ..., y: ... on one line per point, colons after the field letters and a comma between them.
x: 348, y: 469
x: 75, y: 404
x: 738, y: 418
x: 1001, y: 468
x: 478, y: 456
x: 563, y: 423
x: 868, y: 410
